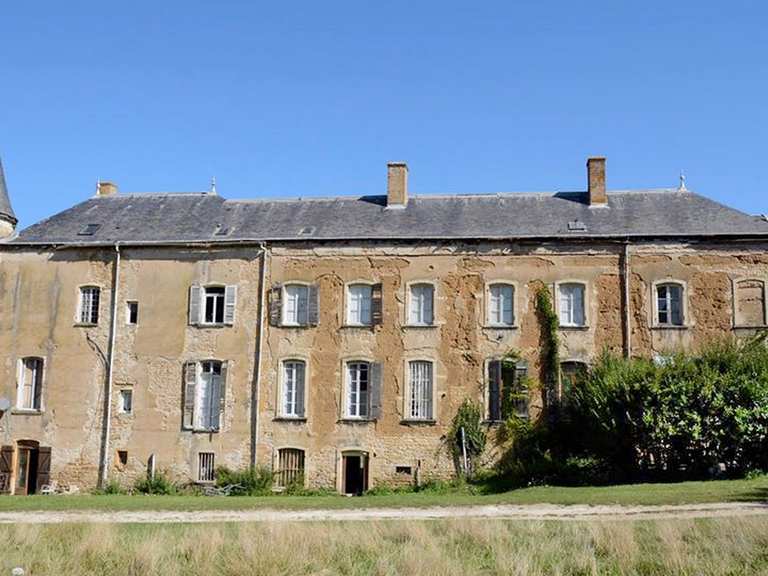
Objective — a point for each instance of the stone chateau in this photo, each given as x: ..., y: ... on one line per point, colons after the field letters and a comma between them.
x: 334, y: 339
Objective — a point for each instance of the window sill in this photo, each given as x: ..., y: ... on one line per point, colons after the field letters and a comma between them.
x: 26, y: 411
x: 420, y: 326
x: 583, y: 328
x: 501, y: 327
x: 85, y: 325
x: 203, y: 325
x: 669, y: 327
x: 755, y: 327
x: 358, y: 326
x: 424, y: 422
x: 296, y: 326
x: 353, y: 420
x: 299, y: 419
x: 198, y: 430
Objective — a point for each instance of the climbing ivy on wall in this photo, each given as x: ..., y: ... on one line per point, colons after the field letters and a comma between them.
x: 550, y: 341
x: 469, y: 418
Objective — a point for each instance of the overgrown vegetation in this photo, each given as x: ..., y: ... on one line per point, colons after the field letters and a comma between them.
x: 249, y: 481
x: 466, y: 438
x: 550, y: 339
x: 159, y: 484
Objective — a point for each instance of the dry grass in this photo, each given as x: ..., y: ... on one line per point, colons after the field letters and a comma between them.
x: 444, y: 548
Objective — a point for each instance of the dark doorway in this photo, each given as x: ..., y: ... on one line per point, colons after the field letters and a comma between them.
x: 33, y: 468
x: 355, y: 470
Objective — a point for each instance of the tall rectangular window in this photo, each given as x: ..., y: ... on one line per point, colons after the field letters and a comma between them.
x: 293, y: 388
x: 359, y: 304
x: 358, y: 387
x: 571, y: 301
x: 126, y: 401
x: 501, y: 305
x: 421, y: 304
x: 206, y: 470
x: 89, y: 305
x: 669, y: 304
x: 296, y: 305
x: 214, y: 304
x: 208, y: 391
x: 420, y: 390
x: 30, y: 384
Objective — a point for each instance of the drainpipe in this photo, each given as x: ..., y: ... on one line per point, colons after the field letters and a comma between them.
x: 255, y: 389
x: 104, y: 465
x: 627, y: 302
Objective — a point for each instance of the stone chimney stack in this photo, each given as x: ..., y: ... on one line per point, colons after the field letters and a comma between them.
x: 397, y: 185
x: 106, y: 189
x: 596, y: 181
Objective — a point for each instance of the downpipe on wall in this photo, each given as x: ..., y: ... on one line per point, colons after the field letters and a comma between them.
x: 255, y: 390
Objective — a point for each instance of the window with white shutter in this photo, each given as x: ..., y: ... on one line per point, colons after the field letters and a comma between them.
x: 30, y: 384
x: 359, y: 300
x: 293, y: 389
x: 421, y: 304
x: 501, y: 299
x: 358, y: 390
x: 420, y: 390
x: 204, y: 395
x: 295, y: 305
x: 571, y: 304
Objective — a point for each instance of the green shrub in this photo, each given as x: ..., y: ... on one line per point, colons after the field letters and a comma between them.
x: 160, y: 484
x: 256, y: 481
x: 469, y: 421
x: 112, y: 487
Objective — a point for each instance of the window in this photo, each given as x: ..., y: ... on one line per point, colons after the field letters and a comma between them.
x: 507, y: 392
x: 296, y: 305
x: 205, y: 467
x: 571, y: 301
x: 750, y: 303
x: 212, y: 305
x: 358, y: 380
x: 669, y: 304
x: 359, y: 300
x: 421, y: 305
x: 501, y: 299
x: 89, y: 305
x: 294, y: 372
x: 571, y: 373
x: 122, y: 457
x: 290, y: 467
x: 420, y: 390
x: 126, y: 401
x: 204, y: 395
x: 30, y: 384
x: 404, y: 470
x: 132, y: 313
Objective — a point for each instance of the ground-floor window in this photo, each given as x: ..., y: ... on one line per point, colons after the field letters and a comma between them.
x: 205, y: 467
x: 507, y: 390
x: 290, y: 467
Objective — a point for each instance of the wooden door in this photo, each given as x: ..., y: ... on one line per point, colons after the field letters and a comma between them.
x: 6, y: 467
x: 22, y: 471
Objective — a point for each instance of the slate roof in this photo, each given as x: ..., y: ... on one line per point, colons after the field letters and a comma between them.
x: 209, y: 218
x: 5, y: 203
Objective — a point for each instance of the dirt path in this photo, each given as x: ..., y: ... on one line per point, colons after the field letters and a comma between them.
x: 508, y: 512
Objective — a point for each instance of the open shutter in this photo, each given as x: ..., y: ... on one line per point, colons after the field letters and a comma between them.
x: 313, y: 306
x: 230, y: 303
x: 275, y: 305
x: 43, y: 466
x: 494, y: 390
x: 218, y: 420
x: 195, y: 297
x: 376, y: 305
x: 190, y: 383
x: 301, y: 384
x: 375, y: 395
x: 38, y: 399
x: 6, y: 465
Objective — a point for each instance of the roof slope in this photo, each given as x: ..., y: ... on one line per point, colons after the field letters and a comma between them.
x: 5, y: 202
x: 201, y: 217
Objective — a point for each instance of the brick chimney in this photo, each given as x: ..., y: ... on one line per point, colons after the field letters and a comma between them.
x: 596, y: 181
x: 397, y: 185
x: 106, y: 189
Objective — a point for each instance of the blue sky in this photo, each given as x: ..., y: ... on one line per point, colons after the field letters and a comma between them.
x: 313, y: 98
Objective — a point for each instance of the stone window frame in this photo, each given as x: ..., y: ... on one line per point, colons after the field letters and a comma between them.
x: 279, y: 405
x: 735, y: 300
x: 345, y: 361
x: 486, y: 386
x: 20, y: 371
x: 407, y: 419
x: 345, y: 315
x: 121, y: 390
x: 407, y: 321
x: 586, y: 303
x: 654, y: 320
x: 283, y: 288
x: 487, y: 304
x: 79, y: 308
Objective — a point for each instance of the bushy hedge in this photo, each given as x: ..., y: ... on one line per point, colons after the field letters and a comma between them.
x: 686, y: 417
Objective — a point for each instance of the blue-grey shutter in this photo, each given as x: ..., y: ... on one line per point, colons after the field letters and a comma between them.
x: 301, y: 384
x: 230, y: 304
x: 195, y: 296
x: 190, y: 383
x: 494, y: 390
x: 218, y: 420
x: 375, y: 391
x: 275, y: 305
x: 313, y: 306
x: 377, y: 308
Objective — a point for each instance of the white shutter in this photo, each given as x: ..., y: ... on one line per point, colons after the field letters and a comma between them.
x: 195, y: 300
x: 429, y: 296
x: 230, y: 304
x: 578, y: 305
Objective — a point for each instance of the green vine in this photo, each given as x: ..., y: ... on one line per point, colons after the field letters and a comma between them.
x: 550, y: 339
x: 469, y: 418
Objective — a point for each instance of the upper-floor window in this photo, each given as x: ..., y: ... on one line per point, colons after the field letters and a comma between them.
x: 571, y: 304
x: 359, y: 304
x: 294, y: 304
x: 749, y: 303
x: 88, y: 311
x: 507, y: 391
x: 125, y: 400
x: 669, y: 304
x: 132, y: 312
x: 293, y: 389
x: 204, y: 394
x: 420, y: 390
x: 212, y: 305
x: 501, y: 299
x: 30, y: 384
x: 421, y: 304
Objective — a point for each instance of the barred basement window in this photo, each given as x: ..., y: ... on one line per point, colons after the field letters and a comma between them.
x: 290, y: 467
x: 88, y: 312
x: 205, y: 467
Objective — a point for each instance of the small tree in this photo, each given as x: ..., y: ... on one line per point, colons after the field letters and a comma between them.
x: 467, y: 435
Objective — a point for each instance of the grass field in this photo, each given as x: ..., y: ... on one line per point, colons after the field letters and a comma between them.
x: 444, y: 548
x: 680, y: 493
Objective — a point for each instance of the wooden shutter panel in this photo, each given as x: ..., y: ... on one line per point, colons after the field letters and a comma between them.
x: 375, y: 395
x: 38, y: 399
x: 6, y: 465
x: 43, y: 466
x: 275, y: 305
x: 219, y: 419
x: 190, y: 383
x: 313, y: 306
x: 230, y: 304
x: 195, y: 296
x: 494, y: 390
x: 301, y: 385
x: 377, y: 311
